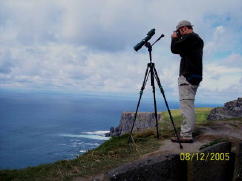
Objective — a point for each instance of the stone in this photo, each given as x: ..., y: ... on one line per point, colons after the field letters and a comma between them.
x: 143, y: 121
x: 172, y: 167
x: 238, y: 164
x: 212, y: 170
x: 231, y: 109
x: 159, y: 167
x: 107, y: 134
x: 112, y: 129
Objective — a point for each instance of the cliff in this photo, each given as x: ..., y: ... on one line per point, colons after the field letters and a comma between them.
x: 231, y: 109
x: 143, y: 121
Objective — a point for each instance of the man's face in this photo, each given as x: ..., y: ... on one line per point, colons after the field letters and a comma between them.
x: 184, y: 30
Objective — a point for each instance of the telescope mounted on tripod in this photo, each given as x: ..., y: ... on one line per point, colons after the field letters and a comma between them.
x: 146, y: 39
x: 151, y: 70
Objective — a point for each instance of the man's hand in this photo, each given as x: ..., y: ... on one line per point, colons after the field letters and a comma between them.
x: 174, y: 35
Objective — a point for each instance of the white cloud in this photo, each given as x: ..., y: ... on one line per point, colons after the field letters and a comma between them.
x: 87, y: 45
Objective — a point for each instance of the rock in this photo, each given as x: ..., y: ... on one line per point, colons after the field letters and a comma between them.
x: 232, y: 109
x: 143, y: 121
x: 161, y: 167
x: 116, y: 132
x: 112, y: 129
x: 107, y: 134
x: 174, y: 167
x: 238, y: 164
x: 211, y: 168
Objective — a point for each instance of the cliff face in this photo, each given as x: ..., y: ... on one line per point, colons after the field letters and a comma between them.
x: 231, y: 109
x: 143, y: 121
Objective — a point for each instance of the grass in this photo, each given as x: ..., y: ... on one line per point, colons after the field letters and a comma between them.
x: 166, y: 127
x: 110, y: 154
x: 201, y: 115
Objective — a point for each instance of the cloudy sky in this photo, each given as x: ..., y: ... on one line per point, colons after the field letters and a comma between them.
x: 87, y: 46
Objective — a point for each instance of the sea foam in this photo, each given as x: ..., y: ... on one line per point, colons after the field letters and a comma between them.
x: 96, y: 135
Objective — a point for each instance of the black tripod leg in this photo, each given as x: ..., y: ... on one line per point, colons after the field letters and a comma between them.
x: 140, y: 96
x: 167, y: 106
x: 155, y: 105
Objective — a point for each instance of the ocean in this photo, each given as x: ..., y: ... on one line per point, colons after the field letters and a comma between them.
x: 40, y: 128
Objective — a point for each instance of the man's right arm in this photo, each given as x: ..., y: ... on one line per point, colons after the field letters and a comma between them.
x: 174, y: 48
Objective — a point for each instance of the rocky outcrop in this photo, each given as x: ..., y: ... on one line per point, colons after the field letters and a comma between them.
x: 238, y: 164
x: 176, y: 167
x: 232, y: 109
x: 160, y: 167
x: 143, y: 121
x: 212, y: 167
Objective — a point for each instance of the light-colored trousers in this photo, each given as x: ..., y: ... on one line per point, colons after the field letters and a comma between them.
x: 187, y: 94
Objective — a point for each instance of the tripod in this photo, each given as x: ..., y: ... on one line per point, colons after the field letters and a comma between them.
x: 151, y: 70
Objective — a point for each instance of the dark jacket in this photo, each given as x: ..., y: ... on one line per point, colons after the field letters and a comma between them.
x: 190, y: 48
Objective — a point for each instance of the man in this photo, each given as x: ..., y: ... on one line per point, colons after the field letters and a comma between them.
x: 189, y: 46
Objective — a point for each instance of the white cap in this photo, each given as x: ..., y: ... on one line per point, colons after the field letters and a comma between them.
x: 183, y: 23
